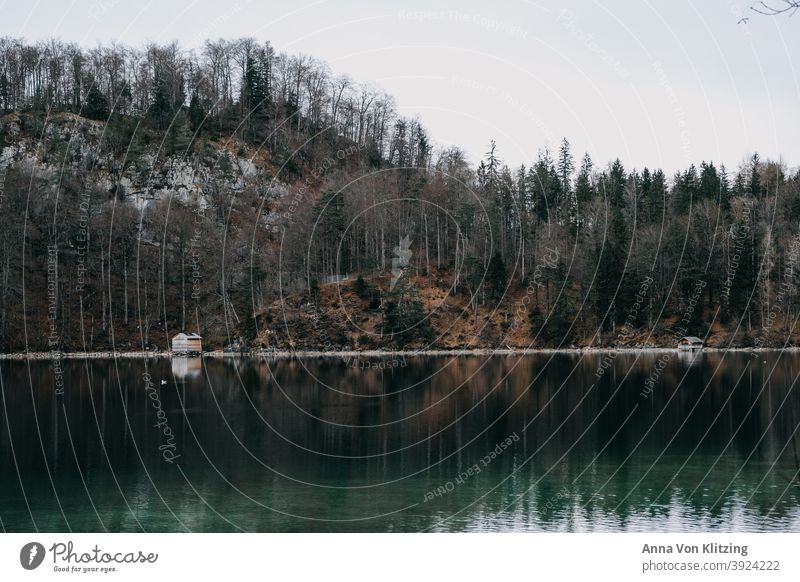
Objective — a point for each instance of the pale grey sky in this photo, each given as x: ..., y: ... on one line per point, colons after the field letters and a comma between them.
x: 655, y: 83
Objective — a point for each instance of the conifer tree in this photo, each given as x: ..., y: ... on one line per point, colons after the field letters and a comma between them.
x: 196, y: 114
x: 496, y: 277
x: 160, y: 111
x: 754, y: 184
x: 584, y: 189
x: 96, y: 104
x: 565, y: 167
x: 614, y: 184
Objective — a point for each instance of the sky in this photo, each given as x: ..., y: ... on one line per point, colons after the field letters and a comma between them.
x: 657, y: 84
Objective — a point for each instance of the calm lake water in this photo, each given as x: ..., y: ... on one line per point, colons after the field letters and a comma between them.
x: 522, y: 443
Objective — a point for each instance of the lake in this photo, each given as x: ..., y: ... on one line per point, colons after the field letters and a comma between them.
x: 651, y: 441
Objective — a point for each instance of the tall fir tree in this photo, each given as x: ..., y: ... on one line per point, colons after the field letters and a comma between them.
x: 96, y: 104
x: 197, y: 114
x: 584, y: 188
x: 614, y: 184
x: 565, y: 166
x: 754, y: 184
x: 160, y: 110
x: 496, y: 278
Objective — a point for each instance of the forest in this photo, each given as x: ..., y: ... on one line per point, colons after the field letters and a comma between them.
x: 256, y: 198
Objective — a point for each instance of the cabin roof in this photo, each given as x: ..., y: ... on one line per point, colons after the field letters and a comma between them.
x: 183, y: 335
x: 692, y: 339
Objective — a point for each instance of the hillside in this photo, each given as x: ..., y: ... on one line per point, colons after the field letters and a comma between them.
x: 275, y: 205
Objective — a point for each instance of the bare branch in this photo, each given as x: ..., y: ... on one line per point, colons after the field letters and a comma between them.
x: 769, y: 9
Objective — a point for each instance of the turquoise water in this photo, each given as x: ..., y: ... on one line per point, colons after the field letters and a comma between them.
x: 522, y: 443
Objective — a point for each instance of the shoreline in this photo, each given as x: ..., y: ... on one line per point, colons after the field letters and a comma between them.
x: 304, y: 354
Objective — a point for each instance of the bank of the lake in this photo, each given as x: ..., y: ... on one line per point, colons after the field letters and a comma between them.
x: 283, y: 354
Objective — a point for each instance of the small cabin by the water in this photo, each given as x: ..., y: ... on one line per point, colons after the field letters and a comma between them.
x: 690, y: 343
x: 187, y: 343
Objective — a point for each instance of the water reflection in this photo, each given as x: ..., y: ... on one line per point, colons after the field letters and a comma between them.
x: 186, y: 367
x: 690, y: 358
x: 334, y: 445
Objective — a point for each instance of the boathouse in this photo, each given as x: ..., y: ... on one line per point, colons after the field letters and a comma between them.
x: 187, y: 343
x: 690, y: 343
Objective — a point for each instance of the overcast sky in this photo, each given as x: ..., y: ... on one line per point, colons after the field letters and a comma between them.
x: 655, y: 83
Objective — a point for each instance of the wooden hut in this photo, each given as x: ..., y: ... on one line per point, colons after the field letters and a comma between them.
x: 690, y: 344
x: 187, y: 343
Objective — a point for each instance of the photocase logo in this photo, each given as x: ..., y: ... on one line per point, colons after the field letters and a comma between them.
x: 402, y: 256
x: 31, y: 555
